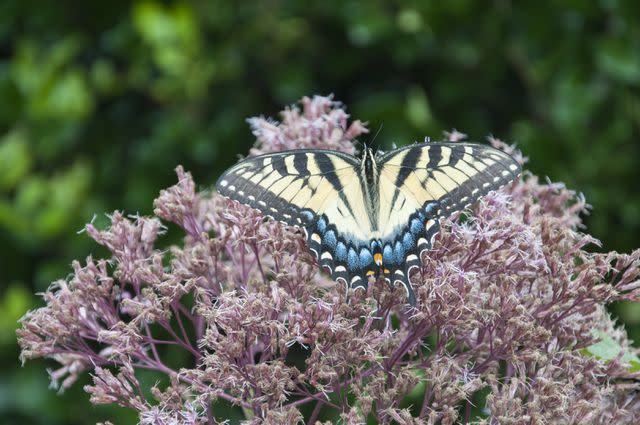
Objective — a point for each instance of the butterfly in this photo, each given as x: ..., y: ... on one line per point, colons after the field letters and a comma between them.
x: 374, y: 215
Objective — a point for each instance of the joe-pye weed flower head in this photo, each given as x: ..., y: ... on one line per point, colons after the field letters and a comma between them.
x: 509, y: 304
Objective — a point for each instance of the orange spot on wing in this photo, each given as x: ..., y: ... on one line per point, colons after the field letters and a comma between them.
x: 371, y: 273
x: 377, y: 258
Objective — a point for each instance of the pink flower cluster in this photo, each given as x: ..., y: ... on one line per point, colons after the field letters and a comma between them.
x: 321, y: 124
x: 509, y: 301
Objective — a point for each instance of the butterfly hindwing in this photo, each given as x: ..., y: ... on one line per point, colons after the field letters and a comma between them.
x: 348, y: 258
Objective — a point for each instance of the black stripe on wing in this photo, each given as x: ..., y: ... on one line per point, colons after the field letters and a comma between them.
x: 407, y: 166
x: 328, y: 171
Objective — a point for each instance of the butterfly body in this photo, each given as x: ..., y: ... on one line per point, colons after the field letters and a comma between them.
x: 374, y: 215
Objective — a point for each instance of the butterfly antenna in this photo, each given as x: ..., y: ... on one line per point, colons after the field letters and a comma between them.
x: 377, y: 132
x: 365, y: 144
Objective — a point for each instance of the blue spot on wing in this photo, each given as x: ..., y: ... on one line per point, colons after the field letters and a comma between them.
x: 365, y: 258
x: 398, y: 253
x: 308, y: 215
x: 387, y: 255
x: 329, y: 239
x: 416, y: 226
x: 408, y: 241
x: 321, y: 225
x: 352, y: 260
x: 430, y: 209
x: 341, y: 251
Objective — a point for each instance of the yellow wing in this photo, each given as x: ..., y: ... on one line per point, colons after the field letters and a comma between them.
x: 422, y: 183
x: 317, y: 190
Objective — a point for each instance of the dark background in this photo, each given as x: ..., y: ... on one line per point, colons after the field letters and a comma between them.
x: 99, y: 101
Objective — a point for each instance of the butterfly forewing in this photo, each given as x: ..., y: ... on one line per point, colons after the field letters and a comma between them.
x: 453, y: 174
x: 287, y: 185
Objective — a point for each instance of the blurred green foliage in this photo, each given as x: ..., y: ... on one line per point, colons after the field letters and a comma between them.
x: 101, y: 100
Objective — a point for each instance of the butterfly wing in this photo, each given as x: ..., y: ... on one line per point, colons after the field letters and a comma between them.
x: 317, y: 190
x: 422, y: 183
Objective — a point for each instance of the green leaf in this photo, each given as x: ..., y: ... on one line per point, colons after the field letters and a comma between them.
x: 620, y: 59
x: 172, y: 32
x: 608, y: 349
x: 409, y: 20
x: 418, y: 110
x: 16, y: 159
x: 69, y: 97
x: 14, y: 303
